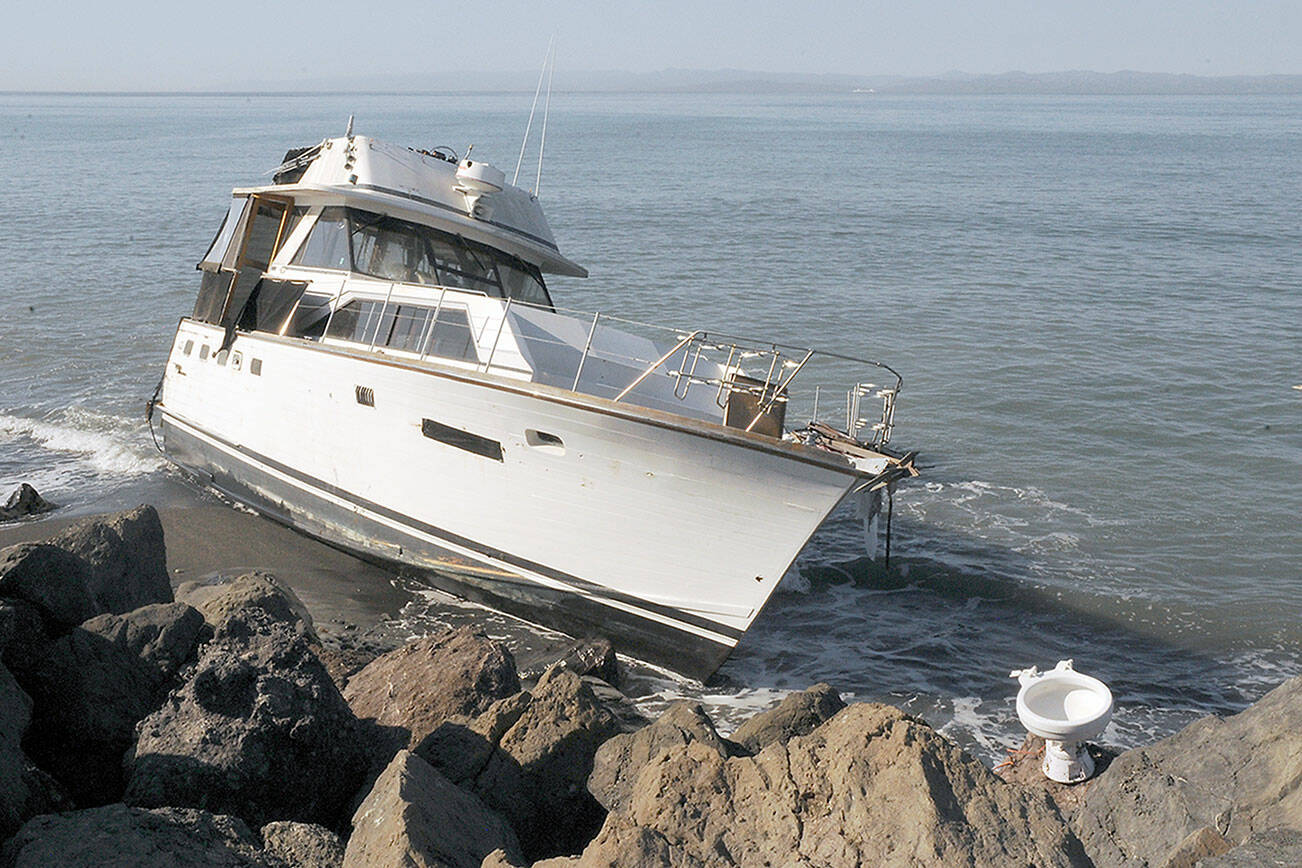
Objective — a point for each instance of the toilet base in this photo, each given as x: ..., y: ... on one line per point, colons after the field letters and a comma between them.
x: 1067, y: 762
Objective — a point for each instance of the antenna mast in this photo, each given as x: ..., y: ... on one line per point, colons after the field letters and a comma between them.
x: 542, y: 141
x: 542, y: 72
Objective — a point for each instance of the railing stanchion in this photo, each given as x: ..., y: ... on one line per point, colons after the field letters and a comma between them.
x: 383, y: 310
x: 658, y: 362
x: 587, y: 346
x: 506, y: 311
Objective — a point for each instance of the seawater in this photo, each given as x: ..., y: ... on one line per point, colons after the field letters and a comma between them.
x: 1096, y: 304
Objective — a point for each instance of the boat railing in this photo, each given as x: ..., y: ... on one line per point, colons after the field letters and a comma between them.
x: 747, y: 383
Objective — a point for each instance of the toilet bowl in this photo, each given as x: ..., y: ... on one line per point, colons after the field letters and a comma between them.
x: 1066, y: 709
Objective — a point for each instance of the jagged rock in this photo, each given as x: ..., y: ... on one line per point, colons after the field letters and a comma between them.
x: 302, y: 845
x: 413, y: 689
x: 259, y: 731
x: 343, y: 663
x: 1281, y: 848
x: 134, y: 838
x: 414, y: 816
x: 162, y: 636
x: 797, y: 714
x: 254, y: 590
x: 871, y: 786
x: 125, y: 556
x: 1023, y: 769
x: 1235, y: 775
x: 594, y: 657
x: 24, y: 501
x: 529, y: 757
x: 55, y: 581
x: 1204, y: 843
x: 618, y: 762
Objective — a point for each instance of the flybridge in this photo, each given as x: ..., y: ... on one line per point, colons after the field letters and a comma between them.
x: 471, y: 196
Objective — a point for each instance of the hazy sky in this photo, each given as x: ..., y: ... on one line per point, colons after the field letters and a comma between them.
x: 181, y: 45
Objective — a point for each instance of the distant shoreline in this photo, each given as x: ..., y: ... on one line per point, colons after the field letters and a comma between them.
x: 1069, y: 83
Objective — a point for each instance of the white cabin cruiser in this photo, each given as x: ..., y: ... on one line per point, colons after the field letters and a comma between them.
x: 374, y: 359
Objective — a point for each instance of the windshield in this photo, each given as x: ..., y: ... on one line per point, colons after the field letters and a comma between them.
x: 391, y: 249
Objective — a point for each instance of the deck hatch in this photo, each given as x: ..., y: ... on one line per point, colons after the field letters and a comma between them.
x: 461, y: 439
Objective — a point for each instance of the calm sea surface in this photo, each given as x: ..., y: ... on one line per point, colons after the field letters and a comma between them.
x: 1096, y: 304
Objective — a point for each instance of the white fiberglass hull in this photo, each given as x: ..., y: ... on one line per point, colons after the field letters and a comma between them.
x: 666, y: 534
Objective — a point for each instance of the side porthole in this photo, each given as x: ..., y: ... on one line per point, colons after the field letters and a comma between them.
x: 237, y: 361
x: 255, y: 367
x: 222, y: 357
x: 189, y: 345
x: 203, y: 352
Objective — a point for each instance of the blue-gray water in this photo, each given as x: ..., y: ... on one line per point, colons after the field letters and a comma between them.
x: 1096, y: 304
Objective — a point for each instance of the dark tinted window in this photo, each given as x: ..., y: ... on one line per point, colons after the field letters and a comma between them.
x: 327, y: 243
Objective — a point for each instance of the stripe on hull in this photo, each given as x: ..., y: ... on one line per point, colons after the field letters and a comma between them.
x: 682, y: 641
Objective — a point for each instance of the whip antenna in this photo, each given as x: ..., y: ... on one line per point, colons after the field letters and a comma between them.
x: 542, y: 141
x: 532, y: 109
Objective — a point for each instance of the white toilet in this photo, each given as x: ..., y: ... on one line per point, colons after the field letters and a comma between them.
x: 1066, y: 709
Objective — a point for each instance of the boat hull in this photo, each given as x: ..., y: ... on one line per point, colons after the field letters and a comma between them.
x: 666, y: 539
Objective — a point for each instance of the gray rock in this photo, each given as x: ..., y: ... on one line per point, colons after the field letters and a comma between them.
x: 254, y: 590
x: 529, y: 757
x: 55, y: 581
x: 24, y: 501
x: 618, y: 762
x: 797, y: 714
x: 302, y: 845
x: 122, y: 837
x: 15, y: 715
x: 414, y: 816
x: 415, y: 688
x: 871, y: 786
x: 125, y: 556
x: 1235, y: 775
x: 1275, y: 848
x: 162, y: 636
x: 593, y: 657
x: 259, y: 731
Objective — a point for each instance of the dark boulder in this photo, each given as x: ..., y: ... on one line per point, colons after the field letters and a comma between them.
x: 55, y: 581
x: 302, y: 845
x: 163, y: 637
x: 22, y: 635
x: 125, y: 556
x: 255, y: 590
x: 1233, y: 775
x: 24, y: 501
x: 592, y: 657
x: 134, y: 838
x: 411, y: 690
x: 529, y: 757
x: 89, y: 693
x: 618, y: 762
x: 871, y: 786
x: 259, y: 731
x: 797, y: 714
x: 414, y: 816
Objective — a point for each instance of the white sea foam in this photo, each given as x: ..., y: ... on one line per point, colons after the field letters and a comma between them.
x: 83, y: 440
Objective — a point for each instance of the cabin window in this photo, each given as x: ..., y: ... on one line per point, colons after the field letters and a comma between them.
x: 404, y: 326
x: 309, y: 317
x: 452, y: 338
x: 221, y: 242
x: 327, y: 243
x: 409, y: 327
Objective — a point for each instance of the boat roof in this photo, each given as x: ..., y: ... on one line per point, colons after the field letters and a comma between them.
x: 391, y: 179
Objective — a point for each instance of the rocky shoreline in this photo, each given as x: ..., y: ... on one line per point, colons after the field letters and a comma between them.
x: 204, y: 724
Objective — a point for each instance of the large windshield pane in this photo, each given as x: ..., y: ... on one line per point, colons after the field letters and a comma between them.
x: 389, y: 249
x: 327, y: 243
